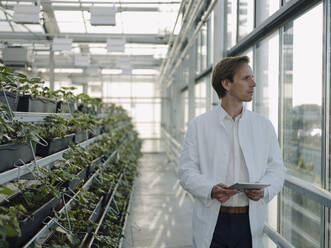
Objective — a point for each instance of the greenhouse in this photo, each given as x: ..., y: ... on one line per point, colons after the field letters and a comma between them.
x: 165, y: 123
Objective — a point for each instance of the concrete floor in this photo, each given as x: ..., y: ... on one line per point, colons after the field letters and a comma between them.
x: 161, y: 212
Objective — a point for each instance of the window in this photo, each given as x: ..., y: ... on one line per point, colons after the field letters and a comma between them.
x: 302, y: 125
x: 265, y: 9
x: 200, y: 98
x: 231, y: 20
x: 246, y: 18
x: 266, y: 77
x: 302, y: 95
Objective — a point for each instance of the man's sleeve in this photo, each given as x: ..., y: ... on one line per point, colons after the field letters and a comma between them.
x: 275, y: 171
x: 189, y: 168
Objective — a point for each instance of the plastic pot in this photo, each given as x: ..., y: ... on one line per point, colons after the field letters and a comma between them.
x: 31, y: 225
x: 27, y: 103
x: 54, y: 145
x: 10, y: 153
x: 11, y: 97
x: 81, y: 136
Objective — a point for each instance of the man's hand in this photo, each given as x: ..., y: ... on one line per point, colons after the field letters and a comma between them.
x: 254, y: 194
x: 222, y: 193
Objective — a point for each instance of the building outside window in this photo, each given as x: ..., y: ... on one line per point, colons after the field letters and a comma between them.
x: 245, y: 18
x: 302, y: 124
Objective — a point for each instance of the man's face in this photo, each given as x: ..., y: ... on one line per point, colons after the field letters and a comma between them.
x: 242, y: 87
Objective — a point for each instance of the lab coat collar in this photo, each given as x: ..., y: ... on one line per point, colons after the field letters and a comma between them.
x: 222, y: 113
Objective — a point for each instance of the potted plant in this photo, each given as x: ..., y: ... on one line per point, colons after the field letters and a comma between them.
x: 81, y: 124
x: 68, y: 103
x: 34, y: 97
x: 31, y: 205
x: 56, y: 132
x: 17, y: 141
x: 8, y: 89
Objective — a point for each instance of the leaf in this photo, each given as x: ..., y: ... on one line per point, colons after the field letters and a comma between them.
x: 5, y: 190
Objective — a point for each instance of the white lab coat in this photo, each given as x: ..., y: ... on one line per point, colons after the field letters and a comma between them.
x: 204, y: 161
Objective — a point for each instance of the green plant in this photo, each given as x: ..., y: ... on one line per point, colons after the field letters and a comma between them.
x: 54, y: 126
x: 82, y: 122
x: 15, y: 131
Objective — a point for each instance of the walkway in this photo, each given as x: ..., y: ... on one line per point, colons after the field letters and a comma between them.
x: 161, y: 211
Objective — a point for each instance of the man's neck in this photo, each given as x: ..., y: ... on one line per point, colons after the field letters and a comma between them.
x: 232, y: 108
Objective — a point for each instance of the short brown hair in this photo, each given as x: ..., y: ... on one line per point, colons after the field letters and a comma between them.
x: 225, y: 69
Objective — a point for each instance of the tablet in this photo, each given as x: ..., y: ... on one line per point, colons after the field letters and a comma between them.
x: 242, y: 186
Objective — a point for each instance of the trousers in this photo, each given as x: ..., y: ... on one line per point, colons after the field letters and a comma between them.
x: 232, y: 231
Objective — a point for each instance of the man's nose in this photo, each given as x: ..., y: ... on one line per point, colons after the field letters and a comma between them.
x: 253, y: 83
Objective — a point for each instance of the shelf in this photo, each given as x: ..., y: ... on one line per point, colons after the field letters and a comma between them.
x: 10, y: 175
x: 37, y: 117
x: 46, y: 231
x: 105, y: 212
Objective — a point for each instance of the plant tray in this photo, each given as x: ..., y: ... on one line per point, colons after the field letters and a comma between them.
x: 72, y: 184
x: 54, y: 145
x: 10, y: 153
x: 30, y: 226
x: 96, y: 132
x: 65, y: 107
x: 28, y: 103
x: 11, y: 97
x: 81, y: 136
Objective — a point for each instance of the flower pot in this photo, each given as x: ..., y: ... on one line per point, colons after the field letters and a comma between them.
x: 81, y: 136
x: 10, y: 153
x: 54, y: 145
x: 30, y: 225
x: 27, y: 103
x: 11, y: 97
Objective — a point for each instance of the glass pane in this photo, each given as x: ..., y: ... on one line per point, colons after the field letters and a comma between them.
x: 246, y: 17
x: 266, y: 77
x: 200, y: 98
x: 302, y: 95
x: 231, y: 19
x: 266, y: 95
x: 301, y: 220
x: 265, y: 9
x: 249, y: 53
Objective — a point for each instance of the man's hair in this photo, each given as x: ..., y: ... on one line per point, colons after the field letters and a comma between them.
x: 225, y: 69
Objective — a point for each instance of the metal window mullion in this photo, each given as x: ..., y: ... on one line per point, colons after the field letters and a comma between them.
x: 325, y: 235
x: 280, y: 120
x: 291, y: 10
x: 237, y: 24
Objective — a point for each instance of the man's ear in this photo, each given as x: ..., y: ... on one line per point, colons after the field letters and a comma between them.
x: 225, y: 83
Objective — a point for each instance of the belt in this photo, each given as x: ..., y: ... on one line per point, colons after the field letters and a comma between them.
x: 234, y: 210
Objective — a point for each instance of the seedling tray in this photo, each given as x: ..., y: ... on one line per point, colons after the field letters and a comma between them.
x: 11, y: 97
x: 10, y: 153
x: 27, y: 103
x: 54, y: 145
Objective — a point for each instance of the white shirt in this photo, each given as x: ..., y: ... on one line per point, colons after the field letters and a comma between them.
x: 236, y: 168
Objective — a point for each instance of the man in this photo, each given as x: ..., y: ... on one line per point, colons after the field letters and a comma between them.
x: 226, y: 145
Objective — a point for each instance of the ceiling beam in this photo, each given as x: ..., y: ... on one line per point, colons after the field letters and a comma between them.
x: 87, y: 8
x: 104, y: 61
x: 89, y: 38
x: 50, y: 24
x: 97, y: 2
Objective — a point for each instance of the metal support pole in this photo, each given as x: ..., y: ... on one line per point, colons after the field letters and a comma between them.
x: 51, y: 70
